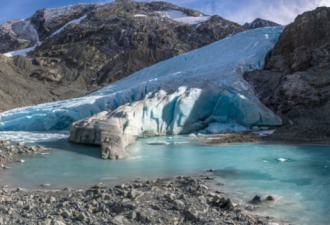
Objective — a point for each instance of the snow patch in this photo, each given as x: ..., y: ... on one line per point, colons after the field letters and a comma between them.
x: 140, y: 15
x: 182, y: 17
x: 75, y: 21
x: 22, y: 52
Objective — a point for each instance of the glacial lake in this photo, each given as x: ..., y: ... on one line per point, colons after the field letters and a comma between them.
x: 297, y: 176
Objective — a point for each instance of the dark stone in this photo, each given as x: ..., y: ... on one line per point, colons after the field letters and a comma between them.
x: 256, y: 199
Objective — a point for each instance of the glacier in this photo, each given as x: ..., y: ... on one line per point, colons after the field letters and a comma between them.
x: 200, y: 91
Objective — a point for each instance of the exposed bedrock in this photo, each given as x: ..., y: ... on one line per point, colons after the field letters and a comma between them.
x: 296, y: 82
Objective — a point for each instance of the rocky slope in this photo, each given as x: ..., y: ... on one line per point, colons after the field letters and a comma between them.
x: 106, y: 43
x: 258, y: 23
x: 296, y: 81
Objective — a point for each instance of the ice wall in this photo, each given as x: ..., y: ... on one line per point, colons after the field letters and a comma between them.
x: 206, y: 86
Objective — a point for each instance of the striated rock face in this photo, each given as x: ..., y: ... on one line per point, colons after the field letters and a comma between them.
x: 296, y: 82
x: 88, y: 46
x: 303, y: 43
x: 258, y: 23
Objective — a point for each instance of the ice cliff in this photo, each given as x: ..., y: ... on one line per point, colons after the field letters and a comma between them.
x: 200, y: 91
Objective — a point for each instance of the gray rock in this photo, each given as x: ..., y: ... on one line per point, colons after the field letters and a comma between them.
x: 179, y: 205
x: 58, y: 222
x: 132, y: 215
x: 82, y: 217
x: 191, y: 214
x: 66, y: 213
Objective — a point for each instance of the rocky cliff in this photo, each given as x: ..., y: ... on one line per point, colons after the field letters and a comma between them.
x: 80, y: 48
x: 296, y: 81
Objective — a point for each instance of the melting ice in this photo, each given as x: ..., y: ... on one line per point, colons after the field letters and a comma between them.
x: 208, y: 80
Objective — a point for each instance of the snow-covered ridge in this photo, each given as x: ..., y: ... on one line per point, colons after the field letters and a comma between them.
x: 182, y: 17
x: 202, y: 76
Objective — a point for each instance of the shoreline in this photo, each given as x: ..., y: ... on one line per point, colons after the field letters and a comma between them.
x: 16, y: 150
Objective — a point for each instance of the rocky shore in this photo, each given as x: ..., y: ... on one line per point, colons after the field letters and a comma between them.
x: 11, y: 152
x: 179, y: 200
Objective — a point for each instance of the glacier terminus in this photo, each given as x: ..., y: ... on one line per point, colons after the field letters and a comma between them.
x: 201, y: 91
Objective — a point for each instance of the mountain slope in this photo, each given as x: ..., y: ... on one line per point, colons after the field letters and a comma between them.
x: 81, y: 48
x: 258, y: 23
x: 296, y: 81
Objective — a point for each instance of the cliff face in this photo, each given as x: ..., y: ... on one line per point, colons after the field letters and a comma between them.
x: 296, y: 81
x: 84, y: 47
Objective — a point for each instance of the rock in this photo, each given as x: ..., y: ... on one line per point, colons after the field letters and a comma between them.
x: 191, y: 214
x: 249, y: 207
x: 179, y: 205
x: 82, y: 217
x: 45, y: 185
x: 51, y: 200
x: 19, y: 203
x: 295, y: 81
x: 66, y: 213
x: 47, y: 222
x: 58, y: 222
x: 228, y: 204
x: 121, y: 220
x: 132, y: 215
x: 105, y: 196
x: 217, y: 200
x: 133, y: 193
x: 144, y: 216
x: 169, y: 197
x: 256, y: 199
x: 270, y: 198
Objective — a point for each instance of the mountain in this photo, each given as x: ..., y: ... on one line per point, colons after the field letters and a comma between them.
x: 296, y: 81
x: 75, y: 50
x: 258, y: 23
x: 200, y: 91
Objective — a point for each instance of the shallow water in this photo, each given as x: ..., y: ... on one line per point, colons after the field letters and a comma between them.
x: 297, y: 176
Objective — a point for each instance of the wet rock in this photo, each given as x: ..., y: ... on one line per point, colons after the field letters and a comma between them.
x: 249, y: 207
x: 228, y: 204
x: 256, y: 199
x: 270, y: 198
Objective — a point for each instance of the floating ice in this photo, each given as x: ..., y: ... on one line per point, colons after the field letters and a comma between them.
x: 281, y: 160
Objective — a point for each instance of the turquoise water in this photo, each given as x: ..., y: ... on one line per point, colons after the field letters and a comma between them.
x: 297, y: 176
